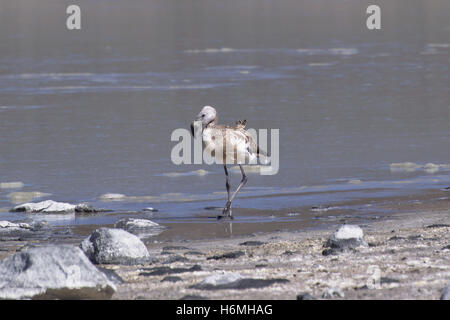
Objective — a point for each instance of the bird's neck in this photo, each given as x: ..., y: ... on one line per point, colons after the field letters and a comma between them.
x: 211, y: 124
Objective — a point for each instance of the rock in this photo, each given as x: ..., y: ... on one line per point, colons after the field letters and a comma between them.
x: 220, y: 279
x: 346, y: 237
x: 332, y: 293
x: 446, y: 293
x: 58, y: 271
x: 114, y: 246
x: 228, y: 255
x: 40, y: 225
x: 111, y: 275
x: 387, y: 280
x: 21, y: 231
x: 159, y: 271
x: 171, y: 279
x: 321, y: 208
x: 151, y: 209
x: 143, y: 228
x: 167, y: 248
x: 305, y: 296
x: 175, y: 258
x: 85, y: 208
x: 251, y: 243
x: 194, y: 253
x: 6, y: 226
x: 48, y: 206
x: 193, y: 297
x: 234, y: 281
x: 438, y: 225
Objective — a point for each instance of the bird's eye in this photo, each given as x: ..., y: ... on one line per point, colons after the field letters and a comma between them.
x: 203, y: 115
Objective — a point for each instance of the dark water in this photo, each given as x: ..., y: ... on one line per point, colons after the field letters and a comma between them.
x: 89, y: 112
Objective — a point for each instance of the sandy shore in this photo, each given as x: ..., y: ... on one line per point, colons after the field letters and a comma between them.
x: 407, y: 257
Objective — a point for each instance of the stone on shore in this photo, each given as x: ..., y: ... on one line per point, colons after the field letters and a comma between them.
x: 234, y: 281
x: 52, y: 272
x: 114, y: 246
x: 50, y: 206
x: 6, y: 226
x: 446, y: 293
x: 346, y: 237
x: 142, y: 228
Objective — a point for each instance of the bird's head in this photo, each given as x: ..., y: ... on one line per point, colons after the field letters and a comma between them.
x: 206, y: 116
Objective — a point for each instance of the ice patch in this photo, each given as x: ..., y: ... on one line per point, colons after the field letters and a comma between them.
x: 11, y: 185
x: 411, y: 167
x: 321, y: 64
x: 439, y: 45
x: 249, y: 168
x: 333, y: 51
x: 323, y: 208
x: 199, y: 172
x: 112, y: 197
x: 21, y: 197
x: 211, y: 50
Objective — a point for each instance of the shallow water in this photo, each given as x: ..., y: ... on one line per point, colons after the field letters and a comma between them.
x: 90, y: 112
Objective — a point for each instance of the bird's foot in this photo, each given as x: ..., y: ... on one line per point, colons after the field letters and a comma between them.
x: 227, y: 212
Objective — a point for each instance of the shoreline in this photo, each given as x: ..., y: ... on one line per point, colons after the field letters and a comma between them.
x: 407, y: 251
x: 407, y: 256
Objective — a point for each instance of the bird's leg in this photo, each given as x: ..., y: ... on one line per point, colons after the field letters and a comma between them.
x: 227, y: 208
x: 243, y: 182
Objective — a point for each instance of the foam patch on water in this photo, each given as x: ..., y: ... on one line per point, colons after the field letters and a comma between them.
x: 46, y: 75
x: 250, y: 168
x: 22, y: 197
x: 332, y: 51
x: 199, y: 172
x: 439, y: 45
x: 321, y: 64
x: 32, y: 107
x: 11, y: 185
x: 412, y: 167
x: 212, y: 50
x: 435, y: 48
x: 323, y: 208
x: 166, y: 197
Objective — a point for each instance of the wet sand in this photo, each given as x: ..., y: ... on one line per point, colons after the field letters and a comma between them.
x: 407, y: 256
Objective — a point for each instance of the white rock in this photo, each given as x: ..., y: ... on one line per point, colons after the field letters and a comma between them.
x: 349, y: 231
x: 333, y: 292
x: 220, y: 279
x: 48, y: 206
x: 61, y: 272
x: 143, y: 228
x: 6, y: 225
x: 135, y: 223
x: 114, y: 246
